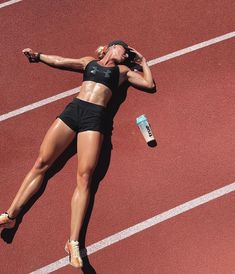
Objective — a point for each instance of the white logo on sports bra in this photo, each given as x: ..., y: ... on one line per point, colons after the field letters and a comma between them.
x: 95, y: 69
x: 106, y: 73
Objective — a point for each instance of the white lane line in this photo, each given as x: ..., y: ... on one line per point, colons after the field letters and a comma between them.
x: 8, y: 3
x: 192, y: 48
x: 39, y: 104
x: 142, y: 226
x: 151, y: 63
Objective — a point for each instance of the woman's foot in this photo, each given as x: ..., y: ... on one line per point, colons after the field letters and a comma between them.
x: 6, y: 221
x: 72, y: 248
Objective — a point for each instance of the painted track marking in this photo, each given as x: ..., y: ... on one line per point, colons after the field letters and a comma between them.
x: 8, y: 3
x: 141, y: 226
x: 151, y: 63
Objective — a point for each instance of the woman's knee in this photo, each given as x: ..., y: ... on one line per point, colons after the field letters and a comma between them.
x: 84, y: 179
x: 42, y: 164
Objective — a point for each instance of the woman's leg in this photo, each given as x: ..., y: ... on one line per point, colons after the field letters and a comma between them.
x: 89, y: 146
x: 57, y: 138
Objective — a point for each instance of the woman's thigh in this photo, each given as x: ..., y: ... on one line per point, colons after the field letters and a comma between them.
x: 57, y: 138
x: 89, y: 145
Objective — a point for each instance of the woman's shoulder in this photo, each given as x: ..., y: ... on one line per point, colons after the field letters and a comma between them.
x: 87, y: 60
x: 123, y: 68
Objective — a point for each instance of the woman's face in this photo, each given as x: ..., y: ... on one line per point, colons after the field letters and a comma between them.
x: 119, y: 53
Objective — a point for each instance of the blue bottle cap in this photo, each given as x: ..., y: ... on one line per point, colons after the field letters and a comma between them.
x: 141, y: 119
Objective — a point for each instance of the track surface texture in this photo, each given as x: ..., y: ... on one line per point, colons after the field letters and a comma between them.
x: 192, y: 117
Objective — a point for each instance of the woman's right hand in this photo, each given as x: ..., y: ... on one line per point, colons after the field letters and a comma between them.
x: 33, y: 57
x: 139, y: 58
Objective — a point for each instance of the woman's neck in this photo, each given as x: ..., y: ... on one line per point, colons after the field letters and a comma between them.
x: 108, y: 60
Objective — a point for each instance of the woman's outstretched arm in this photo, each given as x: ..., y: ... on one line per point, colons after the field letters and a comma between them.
x: 57, y: 61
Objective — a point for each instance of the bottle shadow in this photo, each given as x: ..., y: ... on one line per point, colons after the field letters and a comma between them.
x: 101, y: 169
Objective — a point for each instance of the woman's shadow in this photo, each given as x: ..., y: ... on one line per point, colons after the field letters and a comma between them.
x: 102, y: 167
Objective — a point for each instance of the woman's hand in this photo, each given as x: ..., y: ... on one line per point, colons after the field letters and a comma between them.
x: 33, y: 57
x: 139, y: 59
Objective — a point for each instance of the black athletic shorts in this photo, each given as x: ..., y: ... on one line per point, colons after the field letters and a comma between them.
x: 81, y: 116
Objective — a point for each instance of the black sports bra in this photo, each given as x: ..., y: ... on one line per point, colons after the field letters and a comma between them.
x: 108, y: 76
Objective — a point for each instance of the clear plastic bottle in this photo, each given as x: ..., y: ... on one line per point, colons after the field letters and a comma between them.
x: 145, y: 128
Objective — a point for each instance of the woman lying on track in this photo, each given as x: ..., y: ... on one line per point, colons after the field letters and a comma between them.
x: 84, y: 118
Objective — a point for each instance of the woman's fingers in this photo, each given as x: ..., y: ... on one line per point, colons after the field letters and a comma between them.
x: 27, y: 54
x: 31, y: 55
x: 132, y: 49
x: 139, y: 55
x: 28, y: 50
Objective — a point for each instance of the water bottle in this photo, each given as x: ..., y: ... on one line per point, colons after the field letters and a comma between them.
x: 145, y: 128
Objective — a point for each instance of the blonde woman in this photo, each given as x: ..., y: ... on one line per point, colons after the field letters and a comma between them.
x: 84, y: 118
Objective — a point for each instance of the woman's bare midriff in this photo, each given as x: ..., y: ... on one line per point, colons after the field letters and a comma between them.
x: 95, y: 93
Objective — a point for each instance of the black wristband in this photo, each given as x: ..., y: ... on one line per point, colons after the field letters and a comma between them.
x: 35, y: 57
x: 38, y: 56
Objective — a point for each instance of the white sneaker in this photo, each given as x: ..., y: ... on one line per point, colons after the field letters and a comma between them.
x: 72, y: 248
x: 6, y: 221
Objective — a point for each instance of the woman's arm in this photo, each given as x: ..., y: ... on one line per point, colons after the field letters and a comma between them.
x: 141, y: 81
x: 57, y: 61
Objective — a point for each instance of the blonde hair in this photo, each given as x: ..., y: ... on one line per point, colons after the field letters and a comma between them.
x: 101, y: 51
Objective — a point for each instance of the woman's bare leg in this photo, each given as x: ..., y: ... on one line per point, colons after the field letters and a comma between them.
x: 57, y: 138
x: 89, y: 146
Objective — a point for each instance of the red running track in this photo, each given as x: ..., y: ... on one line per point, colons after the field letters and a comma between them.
x: 192, y: 116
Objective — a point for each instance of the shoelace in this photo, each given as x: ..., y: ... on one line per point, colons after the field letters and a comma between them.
x: 75, y: 248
